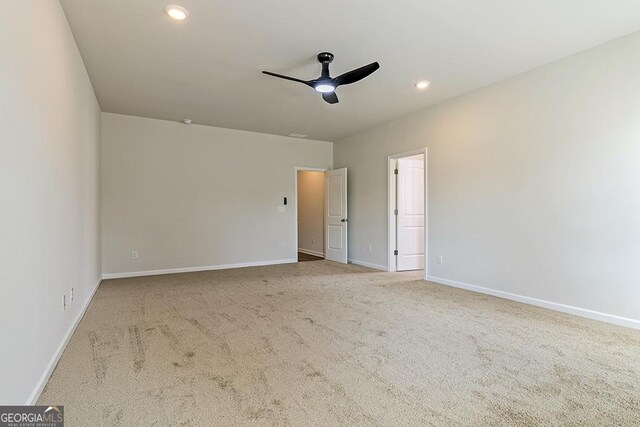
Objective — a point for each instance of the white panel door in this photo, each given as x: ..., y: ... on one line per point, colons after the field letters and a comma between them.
x: 336, y: 215
x: 410, y: 218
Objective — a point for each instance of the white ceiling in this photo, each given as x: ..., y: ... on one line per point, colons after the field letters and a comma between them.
x: 207, y: 68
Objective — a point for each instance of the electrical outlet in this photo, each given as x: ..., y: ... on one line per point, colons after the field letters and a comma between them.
x: 370, y: 248
x: 313, y: 240
x: 439, y: 259
x: 71, y: 294
x: 64, y: 302
x: 134, y: 255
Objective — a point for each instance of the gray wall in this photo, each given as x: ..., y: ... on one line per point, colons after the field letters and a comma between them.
x: 189, y: 196
x: 533, y: 182
x: 49, y: 192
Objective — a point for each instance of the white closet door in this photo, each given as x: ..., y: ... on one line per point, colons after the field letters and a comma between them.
x: 336, y: 215
x: 410, y: 219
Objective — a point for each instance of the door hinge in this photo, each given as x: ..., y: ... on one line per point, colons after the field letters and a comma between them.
x: 395, y: 252
x: 395, y: 212
x: 395, y: 171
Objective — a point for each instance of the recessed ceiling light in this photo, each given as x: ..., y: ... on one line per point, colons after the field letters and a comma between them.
x: 297, y: 135
x: 187, y: 121
x: 178, y: 13
x: 422, y: 84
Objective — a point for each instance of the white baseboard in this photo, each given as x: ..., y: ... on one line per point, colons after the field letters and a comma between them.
x: 577, y: 311
x: 193, y: 269
x: 310, y: 252
x: 35, y: 394
x: 368, y: 264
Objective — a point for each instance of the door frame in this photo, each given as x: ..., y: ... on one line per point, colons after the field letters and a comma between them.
x: 391, y: 192
x: 295, y: 207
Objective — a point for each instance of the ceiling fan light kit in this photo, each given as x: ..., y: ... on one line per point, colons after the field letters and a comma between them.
x: 325, y: 84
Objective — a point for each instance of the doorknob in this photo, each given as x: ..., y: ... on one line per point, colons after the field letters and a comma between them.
x: 343, y: 220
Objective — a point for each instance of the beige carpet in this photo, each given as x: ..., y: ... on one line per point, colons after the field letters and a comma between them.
x: 319, y: 343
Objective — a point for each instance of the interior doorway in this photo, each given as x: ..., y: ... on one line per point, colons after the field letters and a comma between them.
x: 310, y: 214
x: 407, y: 211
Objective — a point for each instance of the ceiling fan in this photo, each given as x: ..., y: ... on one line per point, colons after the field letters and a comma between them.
x: 327, y: 85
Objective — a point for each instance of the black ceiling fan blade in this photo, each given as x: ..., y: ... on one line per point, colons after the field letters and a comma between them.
x: 330, y: 97
x: 355, y: 75
x: 293, y: 79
